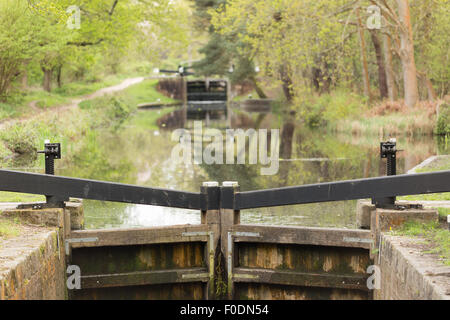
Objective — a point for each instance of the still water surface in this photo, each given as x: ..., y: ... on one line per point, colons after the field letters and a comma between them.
x: 138, y: 155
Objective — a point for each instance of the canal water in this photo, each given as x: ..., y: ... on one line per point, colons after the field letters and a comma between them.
x: 138, y: 155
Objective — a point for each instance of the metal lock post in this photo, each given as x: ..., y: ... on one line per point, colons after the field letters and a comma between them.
x: 388, y: 151
x: 51, y: 152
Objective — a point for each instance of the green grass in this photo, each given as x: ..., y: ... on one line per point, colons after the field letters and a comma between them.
x: 8, y: 228
x: 78, y: 129
x: 439, y: 238
x: 147, y: 118
x: 142, y: 92
x: 243, y: 97
x: 18, y: 104
x: 20, y: 197
x: 443, y: 213
x: 445, y: 196
x: 130, y: 98
x: 439, y: 164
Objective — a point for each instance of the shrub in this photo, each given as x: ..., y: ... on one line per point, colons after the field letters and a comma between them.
x: 327, y: 108
x: 443, y: 121
x: 20, y: 139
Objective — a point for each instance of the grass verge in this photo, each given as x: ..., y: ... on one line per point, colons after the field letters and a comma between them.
x: 437, y: 237
x: 25, y: 102
x: 77, y: 131
x: 8, y: 228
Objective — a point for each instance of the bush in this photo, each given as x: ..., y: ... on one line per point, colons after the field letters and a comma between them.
x: 443, y: 121
x: 20, y: 139
x: 327, y: 108
x: 119, y: 109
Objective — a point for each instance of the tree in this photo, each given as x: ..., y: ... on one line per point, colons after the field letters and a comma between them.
x: 382, y: 77
x: 363, y: 55
x: 223, y: 52
x: 400, y: 29
x: 17, y: 44
x: 295, y: 42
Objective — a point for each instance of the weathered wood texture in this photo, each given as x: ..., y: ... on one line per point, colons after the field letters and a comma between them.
x: 304, y: 279
x: 119, y: 259
x: 333, y: 260
x: 301, y: 269
x: 145, y: 278
x: 254, y: 291
x: 283, y: 262
x: 192, y: 291
x: 136, y: 269
x: 135, y: 236
x: 305, y: 235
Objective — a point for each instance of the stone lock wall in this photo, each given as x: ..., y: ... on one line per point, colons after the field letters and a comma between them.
x: 406, y: 272
x: 32, y: 265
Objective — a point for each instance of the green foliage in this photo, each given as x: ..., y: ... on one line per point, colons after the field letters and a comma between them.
x: 114, y: 110
x: 443, y: 213
x: 443, y: 121
x: 92, y: 161
x: 444, y: 196
x: 315, y: 43
x: 318, y: 111
x: 20, y: 139
x: 288, y: 38
x: 147, y: 118
x: 35, y: 38
x: 8, y: 228
x: 431, y: 22
x: 438, y: 237
x: 222, y: 51
x: 4, y: 152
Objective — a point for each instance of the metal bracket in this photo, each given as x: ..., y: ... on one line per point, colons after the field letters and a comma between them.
x: 230, y: 253
x: 43, y: 205
x: 245, y: 276
x: 78, y: 240
x: 212, y: 250
x: 358, y: 240
x: 195, y: 276
x: 52, y: 151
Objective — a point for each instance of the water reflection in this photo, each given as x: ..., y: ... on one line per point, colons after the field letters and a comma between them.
x: 136, y: 155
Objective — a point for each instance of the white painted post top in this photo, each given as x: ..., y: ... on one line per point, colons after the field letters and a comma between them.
x: 211, y: 184
x: 230, y: 184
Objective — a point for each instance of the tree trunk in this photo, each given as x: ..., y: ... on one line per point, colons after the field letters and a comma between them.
x: 47, y: 83
x: 258, y: 89
x: 286, y: 84
x: 390, y: 79
x: 365, y: 69
x: 287, y: 134
x: 432, y: 96
x: 24, y: 80
x: 382, y: 82
x: 58, y: 75
x: 407, y: 55
x: 24, y: 75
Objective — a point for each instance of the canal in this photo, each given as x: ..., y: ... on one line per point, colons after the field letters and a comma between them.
x: 137, y: 153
